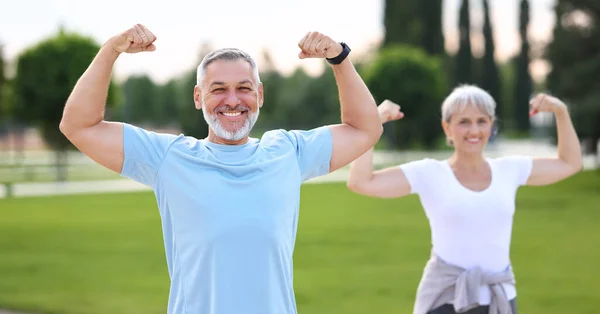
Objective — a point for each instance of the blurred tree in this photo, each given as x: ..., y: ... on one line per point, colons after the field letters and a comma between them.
x: 432, y: 36
x: 402, y: 22
x: 16, y: 129
x: 324, y: 91
x: 490, y: 80
x: 271, y: 115
x: 166, y: 104
x: 293, y: 110
x: 414, y: 22
x: 418, y: 23
x: 319, y: 103
x: 46, y: 74
x: 463, y: 73
x: 191, y: 120
x: 415, y: 80
x: 575, y: 58
x: 142, y: 104
x: 524, y: 84
x: 508, y: 73
x: 4, y: 106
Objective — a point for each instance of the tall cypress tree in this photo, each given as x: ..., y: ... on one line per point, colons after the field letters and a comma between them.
x: 3, y: 112
x: 524, y: 84
x: 414, y: 22
x: 402, y: 22
x: 574, y: 54
x: 432, y: 36
x: 464, y: 58
x: 4, y: 106
x: 490, y: 80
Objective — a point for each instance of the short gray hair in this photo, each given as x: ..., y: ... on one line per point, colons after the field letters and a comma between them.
x: 468, y: 95
x: 229, y: 54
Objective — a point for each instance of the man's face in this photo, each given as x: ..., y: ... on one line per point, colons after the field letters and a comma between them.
x: 230, y: 98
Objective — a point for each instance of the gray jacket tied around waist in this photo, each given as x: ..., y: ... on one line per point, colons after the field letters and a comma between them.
x: 443, y: 283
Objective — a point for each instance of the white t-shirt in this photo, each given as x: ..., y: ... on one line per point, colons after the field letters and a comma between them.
x: 470, y: 228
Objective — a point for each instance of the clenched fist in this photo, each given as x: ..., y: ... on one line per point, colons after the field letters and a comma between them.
x: 389, y: 111
x: 136, y: 39
x: 545, y: 103
x: 317, y: 45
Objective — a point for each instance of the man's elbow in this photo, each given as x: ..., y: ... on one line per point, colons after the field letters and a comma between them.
x: 375, y: 134
x: 64, y: 127
x: 67, y: 127
x: 379, y: 131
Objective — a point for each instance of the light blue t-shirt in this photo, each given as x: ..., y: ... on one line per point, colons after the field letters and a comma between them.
x: 229, y: 214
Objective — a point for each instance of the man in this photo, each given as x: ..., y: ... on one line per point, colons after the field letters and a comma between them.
x: 228, y: 203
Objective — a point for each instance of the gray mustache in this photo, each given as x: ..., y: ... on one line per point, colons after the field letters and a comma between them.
x: 229, y: 108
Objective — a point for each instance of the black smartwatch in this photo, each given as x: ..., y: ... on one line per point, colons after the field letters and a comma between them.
x: 345, y: 52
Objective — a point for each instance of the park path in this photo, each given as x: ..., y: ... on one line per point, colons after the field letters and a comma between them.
x: 112, y: 186
x: 521, y: 147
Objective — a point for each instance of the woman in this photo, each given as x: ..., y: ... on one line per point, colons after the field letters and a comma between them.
x: 469, y: 200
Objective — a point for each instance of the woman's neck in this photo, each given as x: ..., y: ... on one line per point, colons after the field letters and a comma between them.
x: 469, y: 162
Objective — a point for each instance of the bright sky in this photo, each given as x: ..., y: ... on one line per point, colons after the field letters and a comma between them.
x: 183, y: 26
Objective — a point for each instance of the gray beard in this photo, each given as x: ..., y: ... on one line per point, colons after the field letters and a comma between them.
x: 213, y: 122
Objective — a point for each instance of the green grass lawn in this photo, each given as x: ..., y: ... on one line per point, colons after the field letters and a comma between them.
x: 354, y: 255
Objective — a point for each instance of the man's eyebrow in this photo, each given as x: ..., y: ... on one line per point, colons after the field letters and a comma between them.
x: 217, y: 83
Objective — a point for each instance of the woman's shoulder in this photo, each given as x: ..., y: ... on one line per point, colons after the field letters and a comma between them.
x: 423, y: 165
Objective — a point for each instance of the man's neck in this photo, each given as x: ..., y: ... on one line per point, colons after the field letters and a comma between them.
x: 213, y: 138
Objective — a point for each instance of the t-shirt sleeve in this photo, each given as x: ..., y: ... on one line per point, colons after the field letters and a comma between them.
x: 144, y: 152
x: 416, y: 173
x: 313, y: 151
x: 519, y: 168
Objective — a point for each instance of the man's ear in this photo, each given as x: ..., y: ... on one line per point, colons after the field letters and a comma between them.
x: 198, y: 97
x: 261, y: 95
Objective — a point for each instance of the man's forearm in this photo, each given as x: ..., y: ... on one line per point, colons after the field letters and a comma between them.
x: 358, y: 107
x: 86, y: 104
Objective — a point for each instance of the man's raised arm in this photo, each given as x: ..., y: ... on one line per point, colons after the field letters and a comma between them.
x: 361, y: 127
x: 83, y: 118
